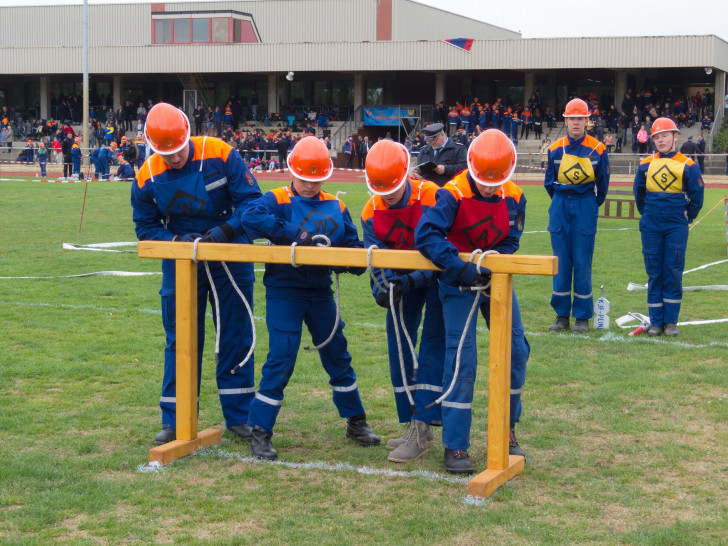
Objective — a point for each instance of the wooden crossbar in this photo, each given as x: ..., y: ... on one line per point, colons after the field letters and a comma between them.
x: 501, y: 466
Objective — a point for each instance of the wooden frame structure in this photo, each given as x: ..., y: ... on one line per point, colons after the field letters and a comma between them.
x: 501, y: 466
x: 619, y: 203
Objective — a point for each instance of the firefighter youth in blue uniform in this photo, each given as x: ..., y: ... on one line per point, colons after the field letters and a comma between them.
x: 479, y: 209
x: 294, y: 295
x: 194, y: 188
x: 76, y: 156
x: 668, y: 191
x: 389, y: 220
x: 124, y: 171
x: 577, y: 180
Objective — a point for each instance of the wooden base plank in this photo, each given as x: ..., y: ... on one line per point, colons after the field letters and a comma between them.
x: 485, y: 484
x: 177, y: 449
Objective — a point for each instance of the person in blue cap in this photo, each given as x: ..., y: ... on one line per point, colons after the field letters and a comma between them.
x: 446, y: 155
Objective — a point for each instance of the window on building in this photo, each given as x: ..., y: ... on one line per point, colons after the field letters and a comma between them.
x: 181, y: 31
x: 163, y: 31
x: 216, y: 27
x: 200, y: 30
x: 237, y: 33
x: 220, y: 29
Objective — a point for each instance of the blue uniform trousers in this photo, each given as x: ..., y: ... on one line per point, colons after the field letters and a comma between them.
x: 573, y: 228
x: 235, y: 391
x: 664, y: 240
x: 457, y: 408
x: 286, y: 310
x: 428, y: 386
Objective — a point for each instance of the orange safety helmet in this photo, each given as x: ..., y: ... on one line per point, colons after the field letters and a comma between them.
x: 663, y: 125
x: 386, y: 167
x: 167, y: 129
x: 309, y: 160
x: 492, y: 158
x: 576, y: 108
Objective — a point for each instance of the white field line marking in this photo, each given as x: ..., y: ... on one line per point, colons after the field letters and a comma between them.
x: 219, y: 453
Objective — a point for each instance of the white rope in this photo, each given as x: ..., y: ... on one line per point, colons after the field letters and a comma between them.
x: 293, y: 255
x: 371, y: 271
x: 399, y: 350
x: 250, y: 314
x: 415, y: 363
x: 218, y: 323
x: 327, y: 242
x: 479, y: 290
x: 216, y: 299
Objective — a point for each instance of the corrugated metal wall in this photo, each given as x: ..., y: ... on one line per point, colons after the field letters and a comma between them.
x: 61, y: 26
x: 412, y: 21
x: 290, y: 21
x: 282, y: 21
x: 314, y: 35
x: 614, y: 53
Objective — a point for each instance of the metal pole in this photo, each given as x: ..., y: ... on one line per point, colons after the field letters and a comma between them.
x: 84, y: 128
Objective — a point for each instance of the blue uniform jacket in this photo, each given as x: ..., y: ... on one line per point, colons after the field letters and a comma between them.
x: 270, y: 217
x: 434, y: 227
x: 229, y: 184
x: 662, y: 197
x: 415, y: 190
x: 585, y: 147
x: 125, y: 171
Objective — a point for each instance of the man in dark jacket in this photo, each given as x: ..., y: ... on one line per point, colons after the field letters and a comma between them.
x: 689, y: 149
x: 66, y: 147
x: 441, y: 159
x: 362, y: 150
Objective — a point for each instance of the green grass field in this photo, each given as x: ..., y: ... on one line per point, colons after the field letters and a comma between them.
x: 626, y: 437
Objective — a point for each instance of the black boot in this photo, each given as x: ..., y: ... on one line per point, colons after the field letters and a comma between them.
x: 358, y: 430
x: 457, y: 461
x: 262, y: 445
x: 513, y: 447
x: 244, y: 432
x: 167, y: 435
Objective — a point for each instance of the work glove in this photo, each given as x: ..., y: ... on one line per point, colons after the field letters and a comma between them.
x: 304, y: 238
x: 400, y: 286
x: 382, y: 300
x: 353, y: 270
x: 189, y: 238
x: 469, y: 276
x: 223, y: 233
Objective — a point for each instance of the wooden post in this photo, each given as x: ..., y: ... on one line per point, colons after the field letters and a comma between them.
x: 501, y: 466
x: 188, y: 441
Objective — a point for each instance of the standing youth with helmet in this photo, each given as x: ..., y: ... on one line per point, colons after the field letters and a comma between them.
x: 294, y: 295
x: 668, y: 191
x: 389, y: 220
x: 577, y: 180
x: 455, y: 224
x: 76, y: 156
x: 189, y: 187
